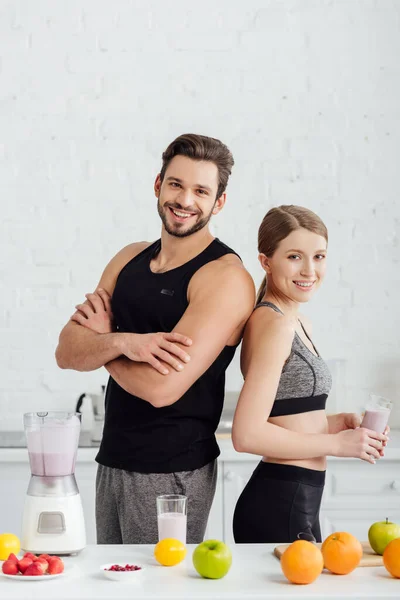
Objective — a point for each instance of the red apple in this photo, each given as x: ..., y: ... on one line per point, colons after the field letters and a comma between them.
x: 10, y: 567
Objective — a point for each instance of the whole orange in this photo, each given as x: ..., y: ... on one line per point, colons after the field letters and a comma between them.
x: 342, y: 552
x: 9, y: 543
x: 302, y: 562
x: 169, y: 552
x: 391, y: 557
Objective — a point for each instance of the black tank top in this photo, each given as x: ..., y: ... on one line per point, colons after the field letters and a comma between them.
x: 181, y: 437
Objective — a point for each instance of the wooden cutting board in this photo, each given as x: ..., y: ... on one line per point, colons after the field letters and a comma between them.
x: 369, y: 558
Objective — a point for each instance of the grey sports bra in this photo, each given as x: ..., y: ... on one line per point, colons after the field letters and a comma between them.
x: 305, y: 380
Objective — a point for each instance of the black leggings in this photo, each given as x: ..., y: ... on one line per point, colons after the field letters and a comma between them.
x: 278, y: 503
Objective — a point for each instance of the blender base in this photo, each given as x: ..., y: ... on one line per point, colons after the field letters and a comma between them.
x: 53, y: 525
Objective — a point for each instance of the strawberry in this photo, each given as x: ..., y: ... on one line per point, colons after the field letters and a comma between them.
x: 24, y: 563
x: 36, y: 568
x: 29, y: 555
x: 56, y: 566
x: 45, y: 556
x: 13, y: 558
x: 10, y: 567
x: 43, y: 561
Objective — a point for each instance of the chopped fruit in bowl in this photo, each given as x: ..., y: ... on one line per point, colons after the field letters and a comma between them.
x: 120, y: 572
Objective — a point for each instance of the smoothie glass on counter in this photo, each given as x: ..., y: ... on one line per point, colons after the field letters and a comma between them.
x: 171, y: 517
x: 377, y: 413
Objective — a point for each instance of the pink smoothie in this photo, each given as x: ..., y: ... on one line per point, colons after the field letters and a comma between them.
x: 172, y: 525
x: 52, y: 465
x: 376, y: 419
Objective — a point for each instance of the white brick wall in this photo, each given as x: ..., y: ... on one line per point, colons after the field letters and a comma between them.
x: 306, y: 93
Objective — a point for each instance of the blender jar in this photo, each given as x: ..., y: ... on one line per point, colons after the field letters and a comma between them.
x: 52, y: 440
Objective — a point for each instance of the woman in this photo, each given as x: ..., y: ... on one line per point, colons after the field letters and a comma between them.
x: 281, y: 410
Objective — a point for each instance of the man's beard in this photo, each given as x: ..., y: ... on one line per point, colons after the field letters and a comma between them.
x: 202, y: 222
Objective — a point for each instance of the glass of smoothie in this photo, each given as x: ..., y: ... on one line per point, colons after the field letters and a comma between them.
x: 171, y: 517
x: 377, y: 413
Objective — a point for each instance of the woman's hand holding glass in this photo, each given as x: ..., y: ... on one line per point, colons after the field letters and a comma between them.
x: 360, y: 443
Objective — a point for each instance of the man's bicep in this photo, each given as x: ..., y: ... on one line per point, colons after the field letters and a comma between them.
x: 211, y: 320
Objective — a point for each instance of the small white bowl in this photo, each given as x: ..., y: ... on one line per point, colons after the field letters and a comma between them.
x: 121, y: 575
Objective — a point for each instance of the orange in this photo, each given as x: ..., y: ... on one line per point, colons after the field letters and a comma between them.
x: 302, y: 562
x: 342, y: 552
x: 8, y: 543
x: 391, y: 557
x: 169, y: 552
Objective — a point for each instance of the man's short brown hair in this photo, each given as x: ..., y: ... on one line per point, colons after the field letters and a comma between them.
x: 201, y: 147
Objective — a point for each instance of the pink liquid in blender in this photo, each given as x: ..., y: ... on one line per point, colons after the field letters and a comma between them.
x: 51, y: 465
x: 376, y: 420
x: 52, y: 447
x: 172, y: 525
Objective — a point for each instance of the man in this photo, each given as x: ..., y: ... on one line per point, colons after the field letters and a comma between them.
x: 176, y: 315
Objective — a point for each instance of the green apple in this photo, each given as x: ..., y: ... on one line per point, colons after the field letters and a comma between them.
x: 212, y: 559
x: 381, y: 533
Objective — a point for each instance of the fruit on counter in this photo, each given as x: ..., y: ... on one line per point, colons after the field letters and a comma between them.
x: 8, y: 543
x: 381, y: 533
x: 391, y: 557
x: 342, y: 552
x: 212, y: 559
x: 302, y: 562
x: 169, y: 552
x: 30, y: 564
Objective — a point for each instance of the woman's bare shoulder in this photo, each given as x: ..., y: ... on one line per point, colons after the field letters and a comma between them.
x: 267, y: 328
x: 267, y: 339
x: 265, y: 318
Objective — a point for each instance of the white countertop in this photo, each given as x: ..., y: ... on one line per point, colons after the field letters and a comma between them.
x: 228, y: 452
x: 255, y: 573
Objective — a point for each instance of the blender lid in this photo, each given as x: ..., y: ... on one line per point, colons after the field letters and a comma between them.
x: 53, y: 416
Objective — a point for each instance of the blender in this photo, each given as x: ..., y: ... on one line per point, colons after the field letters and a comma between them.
x: 53, y: 521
